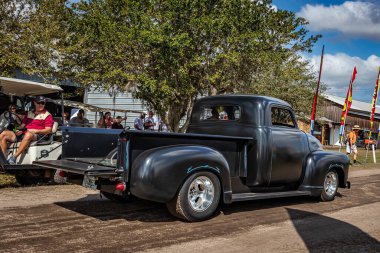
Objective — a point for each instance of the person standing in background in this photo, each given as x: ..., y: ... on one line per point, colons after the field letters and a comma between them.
x: 139, y: 122
x: 351, y: 143
x: 80, y: 120
x: 149, y: 122
x: 117, y: 124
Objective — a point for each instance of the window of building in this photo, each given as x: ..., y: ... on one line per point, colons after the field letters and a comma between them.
x: 282, y: 117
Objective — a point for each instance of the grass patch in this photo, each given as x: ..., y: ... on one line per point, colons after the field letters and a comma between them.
x: 362, y: 152
x: 7, y: 180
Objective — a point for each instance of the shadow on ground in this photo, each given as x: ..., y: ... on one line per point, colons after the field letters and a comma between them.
x: 325, y: 234
x: 103, y: 209
x: 147, y: 211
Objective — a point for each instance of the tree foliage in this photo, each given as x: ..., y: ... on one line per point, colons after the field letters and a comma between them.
x: 171, y: 52
x: 12, y: 17
x: 30, y: 31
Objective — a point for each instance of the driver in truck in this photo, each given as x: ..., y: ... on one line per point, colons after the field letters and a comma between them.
x: 36, y: 124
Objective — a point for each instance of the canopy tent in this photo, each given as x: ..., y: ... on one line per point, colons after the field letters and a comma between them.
x: 20, y: 87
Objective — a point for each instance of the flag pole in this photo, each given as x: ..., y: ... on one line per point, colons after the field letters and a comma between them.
x: 346, y: 107
x: 314, y: 107
x: 372, y: 116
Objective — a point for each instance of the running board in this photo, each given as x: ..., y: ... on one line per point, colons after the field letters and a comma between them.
x: 268, y: 195
x: 78, y: 167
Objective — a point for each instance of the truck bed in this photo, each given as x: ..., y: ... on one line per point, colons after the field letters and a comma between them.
x: 84, y: 150
x: 231, y: 147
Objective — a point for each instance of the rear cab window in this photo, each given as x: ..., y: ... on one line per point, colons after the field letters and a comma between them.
x: 282, y: 117
x: 220, y: 113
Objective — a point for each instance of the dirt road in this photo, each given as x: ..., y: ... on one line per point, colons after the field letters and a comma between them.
x: 69, y: 218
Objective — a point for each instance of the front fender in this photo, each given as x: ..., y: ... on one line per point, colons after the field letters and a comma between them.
x: 318, y: 163
x: 158, y: 173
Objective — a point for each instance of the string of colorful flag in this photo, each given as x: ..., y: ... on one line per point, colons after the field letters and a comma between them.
x: 347, y: 103
x: 346, y: 106
x: 374, y: 102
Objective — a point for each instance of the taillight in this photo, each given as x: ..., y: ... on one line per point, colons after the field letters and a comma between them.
x: 121, y: 187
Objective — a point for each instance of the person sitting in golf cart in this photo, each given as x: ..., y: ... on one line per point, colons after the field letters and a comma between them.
x: 37, y: 125
x: 10, y: 122
x: 9, y: 117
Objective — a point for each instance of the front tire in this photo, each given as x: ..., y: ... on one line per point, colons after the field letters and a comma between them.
x: 198, y: 197
x: 330, y: 186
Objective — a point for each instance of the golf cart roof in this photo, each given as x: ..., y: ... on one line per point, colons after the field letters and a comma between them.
x: 87, y: 107
x: 20, y: 87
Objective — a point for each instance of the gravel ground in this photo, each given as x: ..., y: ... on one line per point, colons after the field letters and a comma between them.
x: 62, y: 218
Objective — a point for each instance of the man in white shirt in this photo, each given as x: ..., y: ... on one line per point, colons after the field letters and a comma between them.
x: 149, y: 122
x: 139, y: 122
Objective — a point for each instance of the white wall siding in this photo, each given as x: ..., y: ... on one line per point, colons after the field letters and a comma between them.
x: 105, y: 99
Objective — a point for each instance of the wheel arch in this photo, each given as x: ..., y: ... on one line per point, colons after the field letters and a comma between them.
x: 341, y: 174
x: 318, y: 164
x: 158, y: 174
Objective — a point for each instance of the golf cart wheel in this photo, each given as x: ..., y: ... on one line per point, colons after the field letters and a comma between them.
x: 198, y: 197
x: 30, y: 177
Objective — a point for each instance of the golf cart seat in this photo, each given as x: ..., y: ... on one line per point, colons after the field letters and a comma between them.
x: 47, y: 138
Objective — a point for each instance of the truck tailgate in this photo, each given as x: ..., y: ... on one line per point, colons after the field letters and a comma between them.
x: 78, y: 167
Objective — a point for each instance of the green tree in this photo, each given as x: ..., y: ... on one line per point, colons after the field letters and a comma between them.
x: 214, y: 47
x: 12, y: 16
x: 173, y: 51
x: 30, y: 35
x: 167, y: 52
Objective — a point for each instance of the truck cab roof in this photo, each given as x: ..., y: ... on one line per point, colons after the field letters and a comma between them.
x: 236, y: 109
x: 243, y: 97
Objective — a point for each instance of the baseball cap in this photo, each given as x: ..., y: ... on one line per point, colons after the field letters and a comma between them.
x: 39, y: 99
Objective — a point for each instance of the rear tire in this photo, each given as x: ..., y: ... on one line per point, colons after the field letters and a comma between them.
x: 198, y: 197
x: 330, y: 186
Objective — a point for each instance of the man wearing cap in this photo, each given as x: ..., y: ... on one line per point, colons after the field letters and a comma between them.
x: 351, y: 142
x: 37, y: 124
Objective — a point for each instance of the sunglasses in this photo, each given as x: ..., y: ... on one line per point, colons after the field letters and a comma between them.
x: 41, y: 103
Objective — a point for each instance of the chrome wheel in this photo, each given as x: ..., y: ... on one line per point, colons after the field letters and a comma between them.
x: 201, y: 193
x: 331, y: 183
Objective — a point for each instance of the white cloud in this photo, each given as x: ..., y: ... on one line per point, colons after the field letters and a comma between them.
x: 357, y: 19
x: 337, y: 71
x: 274, y: 7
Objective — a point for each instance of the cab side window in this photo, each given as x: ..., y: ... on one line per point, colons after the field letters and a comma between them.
x: 282, y: 117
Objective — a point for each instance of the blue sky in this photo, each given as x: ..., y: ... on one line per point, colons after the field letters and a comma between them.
x: 351, y: 35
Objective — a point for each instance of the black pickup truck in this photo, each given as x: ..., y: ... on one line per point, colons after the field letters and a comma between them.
x: 237, y: 147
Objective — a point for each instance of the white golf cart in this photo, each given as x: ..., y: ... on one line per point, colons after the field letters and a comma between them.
x: 22, y: 93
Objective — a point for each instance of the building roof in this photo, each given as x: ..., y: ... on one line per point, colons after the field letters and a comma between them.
x: 357, y: 107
